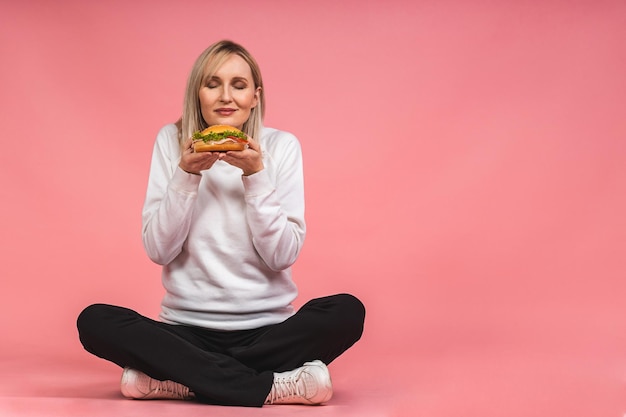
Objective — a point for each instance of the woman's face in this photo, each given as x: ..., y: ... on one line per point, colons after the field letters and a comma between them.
x: 228, y: 97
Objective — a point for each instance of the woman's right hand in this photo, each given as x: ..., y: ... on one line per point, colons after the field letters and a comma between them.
x: 194, y: 162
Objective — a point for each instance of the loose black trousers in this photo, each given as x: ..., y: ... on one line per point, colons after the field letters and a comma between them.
x: 223, y: 367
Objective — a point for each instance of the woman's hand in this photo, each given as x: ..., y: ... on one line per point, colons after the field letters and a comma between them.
x: 250, y: 160
x: 194, y: 162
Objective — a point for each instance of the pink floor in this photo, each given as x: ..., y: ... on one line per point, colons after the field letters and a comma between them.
x: 529, y: 372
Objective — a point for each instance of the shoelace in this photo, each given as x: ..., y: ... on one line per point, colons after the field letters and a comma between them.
x: 173, y: 388
x: 284, y: 388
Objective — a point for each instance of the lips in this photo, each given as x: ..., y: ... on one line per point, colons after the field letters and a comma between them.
x: 225, y: 111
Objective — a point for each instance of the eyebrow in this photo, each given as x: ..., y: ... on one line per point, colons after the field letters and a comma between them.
x: 214, y: 77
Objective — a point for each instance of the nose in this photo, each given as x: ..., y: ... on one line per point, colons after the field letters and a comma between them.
x: 226, y: 96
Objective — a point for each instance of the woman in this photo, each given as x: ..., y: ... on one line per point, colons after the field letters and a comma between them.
x: 226, y: 227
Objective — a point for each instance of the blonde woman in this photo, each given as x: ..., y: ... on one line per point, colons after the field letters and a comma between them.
x: 226, y: 227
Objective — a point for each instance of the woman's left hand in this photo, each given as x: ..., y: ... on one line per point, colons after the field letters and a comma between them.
x: 250, y: 160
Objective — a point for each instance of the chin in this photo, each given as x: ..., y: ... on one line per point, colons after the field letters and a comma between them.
x: 235, y: 120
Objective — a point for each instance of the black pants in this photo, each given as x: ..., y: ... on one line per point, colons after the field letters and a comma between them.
x: 223, y: 367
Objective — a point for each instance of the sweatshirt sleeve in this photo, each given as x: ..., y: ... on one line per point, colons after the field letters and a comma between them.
x: 275, y: 206
x: 170, y: 197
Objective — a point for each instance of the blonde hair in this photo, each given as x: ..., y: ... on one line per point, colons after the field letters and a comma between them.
x: 205, y: 67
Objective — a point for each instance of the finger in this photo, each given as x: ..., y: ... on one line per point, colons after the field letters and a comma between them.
x: 253, y: 144
x: 206, y: 156
x: 187, y: 147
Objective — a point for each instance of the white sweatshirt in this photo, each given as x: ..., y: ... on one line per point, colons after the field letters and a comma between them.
x: 226, y: 241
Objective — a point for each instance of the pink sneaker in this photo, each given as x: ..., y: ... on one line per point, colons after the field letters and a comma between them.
x: 309, y: 384
x: 139, y: 386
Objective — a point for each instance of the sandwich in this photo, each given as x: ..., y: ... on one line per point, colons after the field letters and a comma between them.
x: 219, y: 138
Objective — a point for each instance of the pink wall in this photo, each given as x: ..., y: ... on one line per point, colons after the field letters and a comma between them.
x: 465, y: 161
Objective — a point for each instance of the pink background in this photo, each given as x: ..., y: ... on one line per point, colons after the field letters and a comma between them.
x: 465, y: 169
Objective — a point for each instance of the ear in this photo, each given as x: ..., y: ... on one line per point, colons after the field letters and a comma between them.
x: 257, y: 96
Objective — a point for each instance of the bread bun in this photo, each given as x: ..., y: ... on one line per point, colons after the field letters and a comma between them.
x: 220, y: 129
x: 201, y: 146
